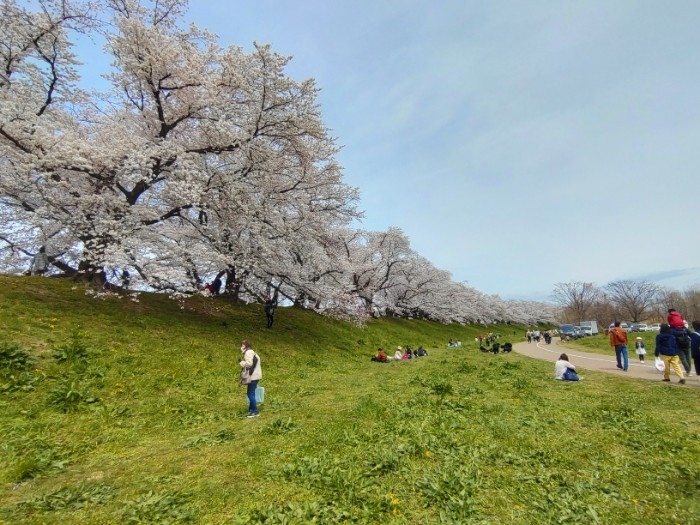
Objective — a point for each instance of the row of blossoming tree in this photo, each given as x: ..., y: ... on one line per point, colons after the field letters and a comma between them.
x: 198, y: 163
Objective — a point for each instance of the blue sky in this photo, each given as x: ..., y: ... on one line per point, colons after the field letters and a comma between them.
x: 518, y: 144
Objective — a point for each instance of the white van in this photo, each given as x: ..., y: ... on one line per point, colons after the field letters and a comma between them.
x: 589, y: 327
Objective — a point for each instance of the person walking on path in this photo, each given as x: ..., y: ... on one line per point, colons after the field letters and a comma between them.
x: 251, y: 363
x: 270, y: 310
x: 695, y: 347
x: 618, y: 340
x: 668, y: 351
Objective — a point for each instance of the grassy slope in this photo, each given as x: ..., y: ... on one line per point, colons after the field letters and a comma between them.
x: 454, y: 437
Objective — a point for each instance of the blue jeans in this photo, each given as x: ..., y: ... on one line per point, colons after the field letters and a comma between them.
x: 621, y: 355
x: 252, y: 405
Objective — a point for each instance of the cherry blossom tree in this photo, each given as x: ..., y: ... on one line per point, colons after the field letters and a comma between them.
x: 187, y: 129
x: 198, y: 162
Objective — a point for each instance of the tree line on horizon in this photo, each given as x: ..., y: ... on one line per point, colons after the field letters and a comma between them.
x: 200, y: 163
x: 623, y: 300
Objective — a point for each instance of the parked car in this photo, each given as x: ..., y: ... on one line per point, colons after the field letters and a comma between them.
x: 569, y: 331
x: 654, y: 327
x: 640, y: 327
x: 586, y: 330
x: 625, y: 326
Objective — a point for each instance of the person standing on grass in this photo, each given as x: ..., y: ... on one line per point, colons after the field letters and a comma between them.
x: 695, y: 347
x: 618, y: 340
x: 269, y: 310
x: 251, y: 362
x: 668, y: 351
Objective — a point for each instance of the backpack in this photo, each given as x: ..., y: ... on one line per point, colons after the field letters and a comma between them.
x: 682, y: 340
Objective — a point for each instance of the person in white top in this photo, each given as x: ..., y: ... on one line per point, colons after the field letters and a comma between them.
x: 565, y: 371
x: 399, y: 354
x: 251, y: 363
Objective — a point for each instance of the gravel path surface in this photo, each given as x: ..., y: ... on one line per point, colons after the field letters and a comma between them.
x: 600, y: 363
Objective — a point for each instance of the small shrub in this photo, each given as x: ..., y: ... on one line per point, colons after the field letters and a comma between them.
x: 14, y: 358
x: 442, y: 389
x: 159, y: 507
x: 208, y: 440
x: 69, y: 498
x: 73, y: 351
x: 38, y: 458
x: 281, y: 426
x: 68, y: 397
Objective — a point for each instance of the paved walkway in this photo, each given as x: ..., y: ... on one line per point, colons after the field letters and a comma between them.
x: 600, y: 363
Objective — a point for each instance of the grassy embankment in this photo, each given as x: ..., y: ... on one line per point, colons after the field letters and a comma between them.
x: 131, y: 413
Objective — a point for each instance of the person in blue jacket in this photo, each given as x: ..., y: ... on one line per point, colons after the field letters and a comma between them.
x: 695, y: 347
x: 668, y: 351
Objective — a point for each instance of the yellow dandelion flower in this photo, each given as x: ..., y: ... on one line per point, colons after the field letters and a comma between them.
x: 518, y: 507
x: 427, y: 453
x: 52, y: 326
x: 395, y: 501
x: 635, y: 500
x: 53, y: 319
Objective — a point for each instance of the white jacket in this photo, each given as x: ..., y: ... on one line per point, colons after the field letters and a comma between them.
x: 560, y: 367
x: 248, y: 362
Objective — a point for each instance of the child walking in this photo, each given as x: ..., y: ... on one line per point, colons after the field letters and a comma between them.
x: 641, y: 351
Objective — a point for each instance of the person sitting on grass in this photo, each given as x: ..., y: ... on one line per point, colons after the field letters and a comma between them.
x: 422, y: 352
x: 407, y: 354
x: 565, y: 371
x: 381, y: 356
x: 484, y: 349
x: 398, y: 355
x: 495, y: 347
x: 507, y: 347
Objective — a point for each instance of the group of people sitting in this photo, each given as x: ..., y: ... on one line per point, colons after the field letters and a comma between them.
x: 496, y: 347
x: 400, y: 354
x: 454, y: 344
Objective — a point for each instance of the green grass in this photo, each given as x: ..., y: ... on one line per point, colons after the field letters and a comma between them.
x: 114, y: 411
x: 600, y: 344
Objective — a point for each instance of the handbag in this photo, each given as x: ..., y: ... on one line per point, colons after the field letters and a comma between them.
x: 260, y: 394
x: 659, y: 364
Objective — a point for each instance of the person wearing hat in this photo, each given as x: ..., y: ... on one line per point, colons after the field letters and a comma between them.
x: 639, y: 347
x: 399, y: 354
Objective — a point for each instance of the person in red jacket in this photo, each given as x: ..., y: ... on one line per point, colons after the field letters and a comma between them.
x: 618, y: 340
x: 674, y: 319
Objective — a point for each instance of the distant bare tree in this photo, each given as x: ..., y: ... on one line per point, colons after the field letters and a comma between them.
x: 692, y: 304
x: 634, y: 298
x: 576, y: 297
x: 667, y: 298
